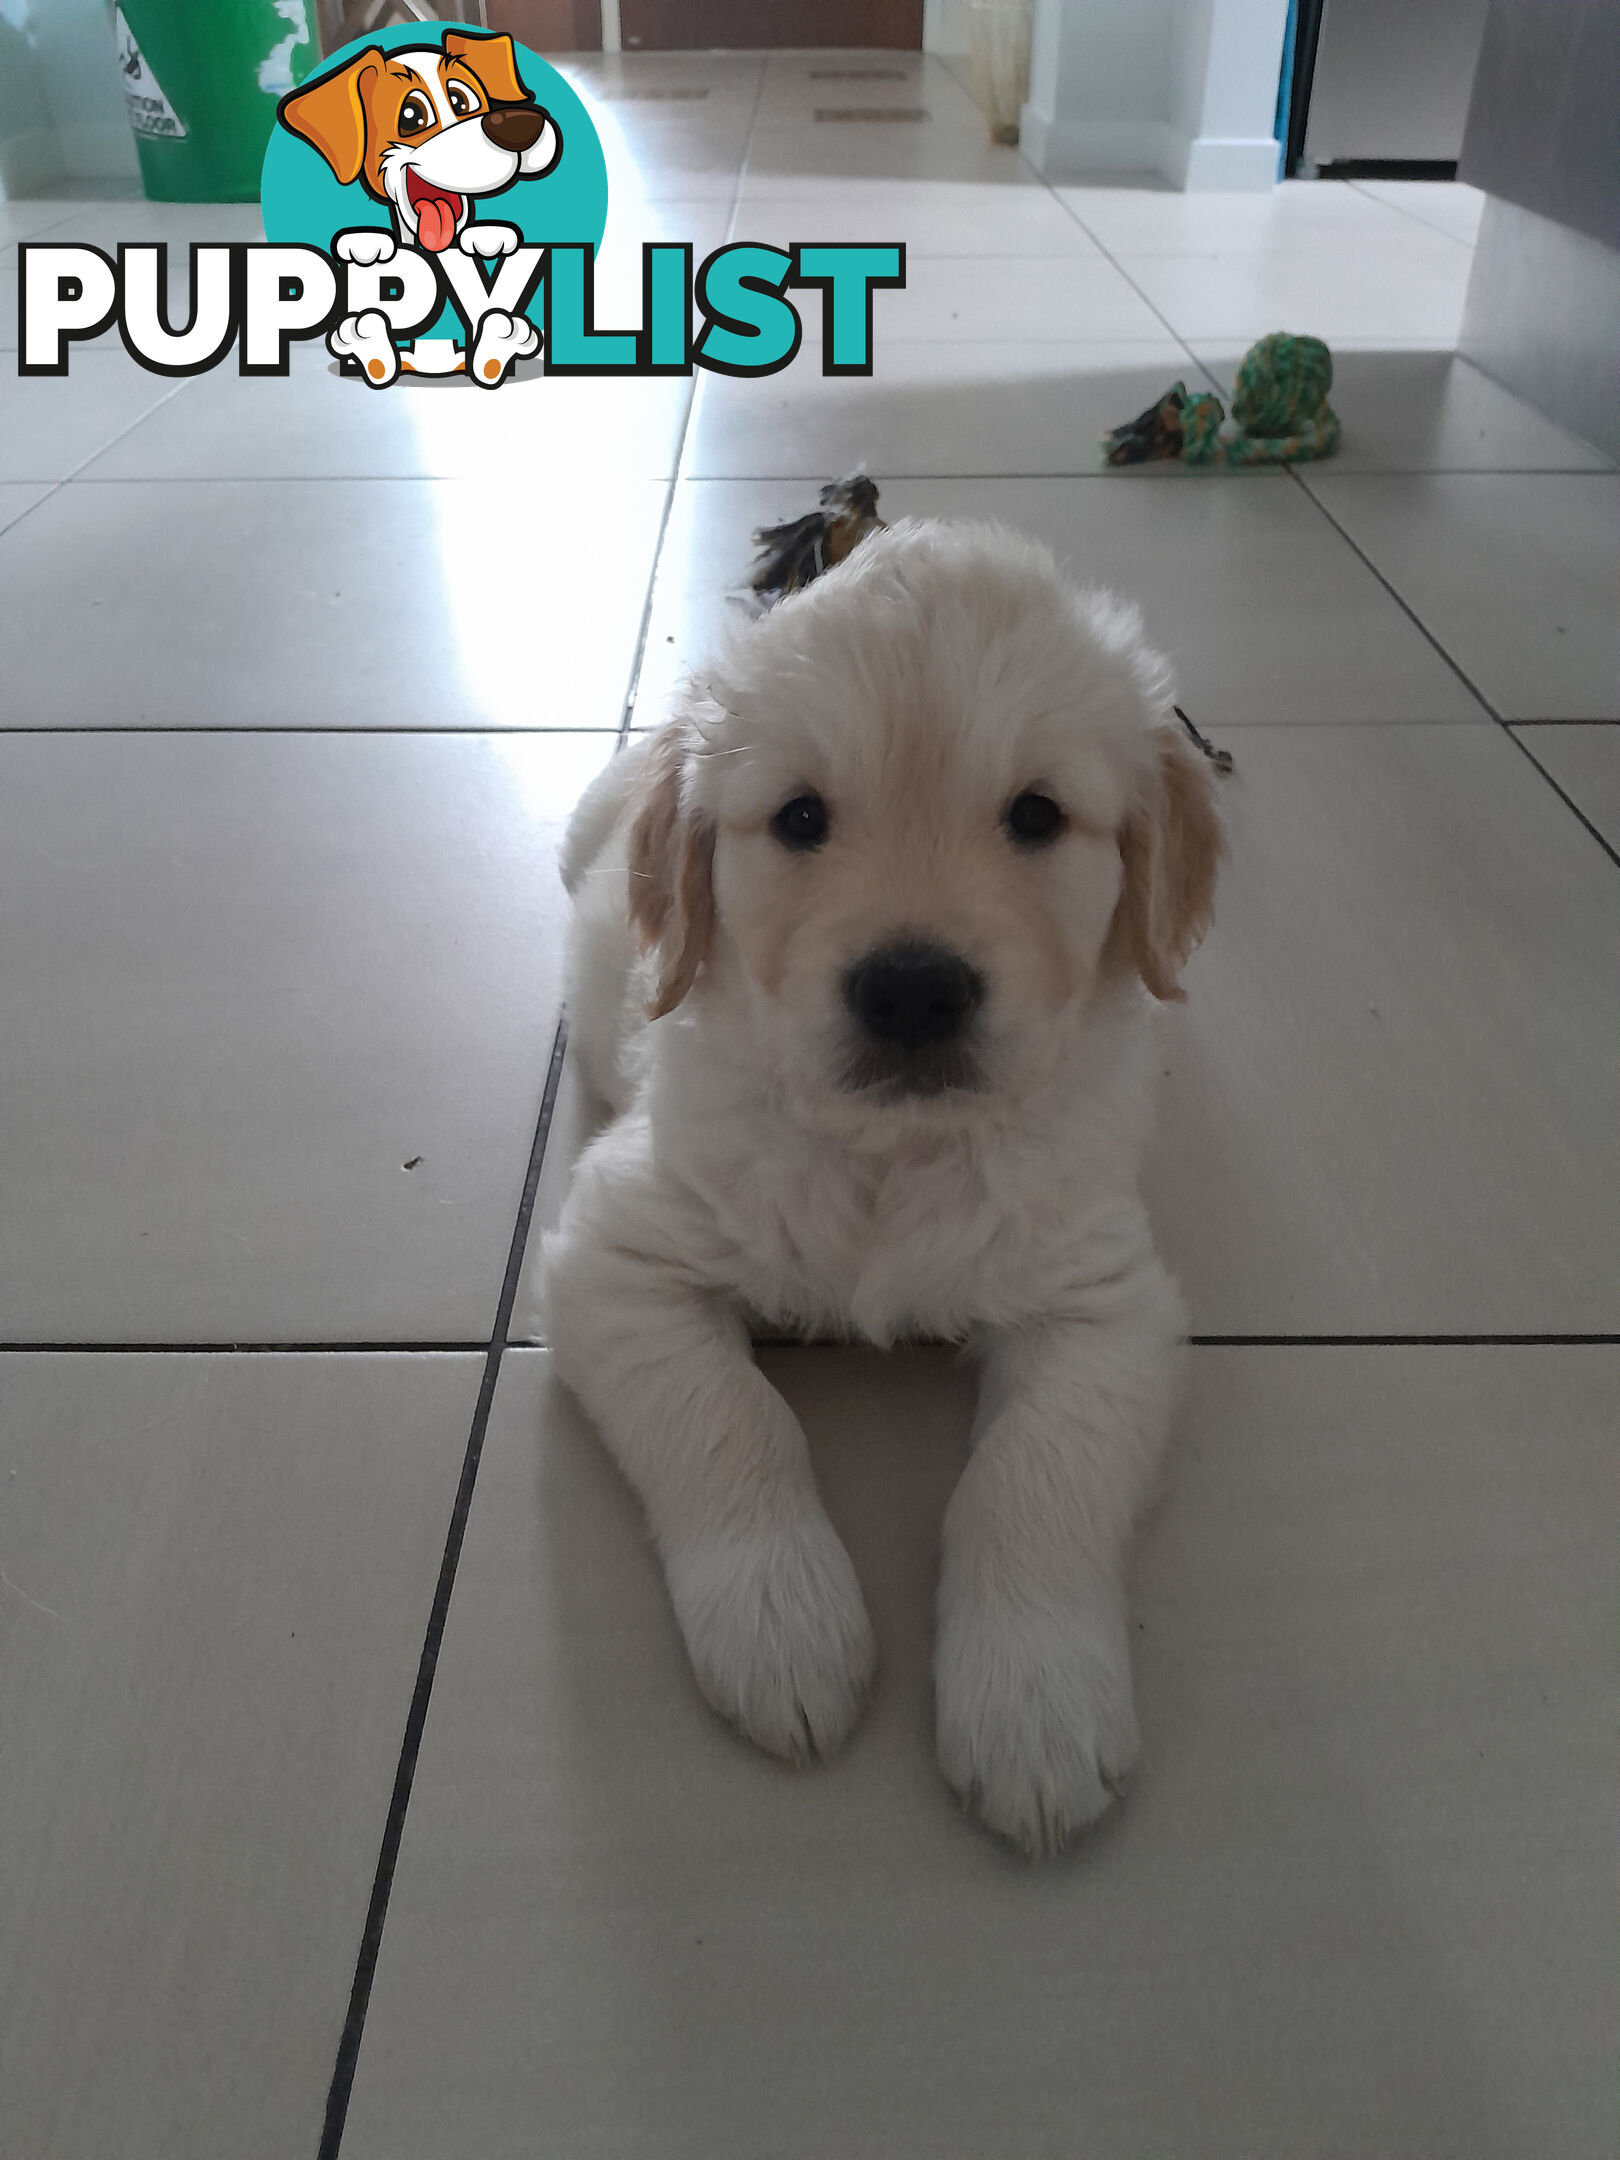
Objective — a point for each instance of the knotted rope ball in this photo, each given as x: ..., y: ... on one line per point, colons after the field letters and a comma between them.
x: 1280, y: 413
x: 1279, y: 408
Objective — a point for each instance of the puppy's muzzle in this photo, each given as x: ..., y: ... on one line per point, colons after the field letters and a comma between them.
x: 514, y: 127
x: 913, y: 1003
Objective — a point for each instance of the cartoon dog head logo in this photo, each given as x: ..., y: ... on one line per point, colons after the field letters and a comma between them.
x: 428, y: 129
x: 408, y: 161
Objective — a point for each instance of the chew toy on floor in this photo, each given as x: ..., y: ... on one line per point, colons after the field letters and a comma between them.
x: 1280, y: 413
x: 791, y: 555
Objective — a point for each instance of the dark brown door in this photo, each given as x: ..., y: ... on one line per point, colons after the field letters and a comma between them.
x: 685, y: 25
x: 549, y: 26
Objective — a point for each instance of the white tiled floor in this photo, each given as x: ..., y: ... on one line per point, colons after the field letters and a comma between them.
x: 1267, y: 614
x: 1345, y: 1911
x: 297, y: 685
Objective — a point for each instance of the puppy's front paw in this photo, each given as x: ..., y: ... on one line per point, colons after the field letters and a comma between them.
x: 777, y: 1632
x: 1036, y: 1725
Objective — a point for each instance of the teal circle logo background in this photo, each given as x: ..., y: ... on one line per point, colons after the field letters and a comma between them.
x: 302, y: 200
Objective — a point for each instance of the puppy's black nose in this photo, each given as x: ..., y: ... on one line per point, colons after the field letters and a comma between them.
x: 912, y: 994
x: 515, y: 127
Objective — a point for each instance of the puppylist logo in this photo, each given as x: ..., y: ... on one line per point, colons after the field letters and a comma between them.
x: 432, y: 206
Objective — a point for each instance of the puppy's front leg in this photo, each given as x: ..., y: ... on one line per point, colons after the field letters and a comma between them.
x: 1032, y: 1663
x: 764, y: 1591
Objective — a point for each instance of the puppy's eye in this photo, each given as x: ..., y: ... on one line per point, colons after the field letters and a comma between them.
x: 802, y: 823
x: 461, y: 98
x: 1033, y: 819
x: 415, y: 115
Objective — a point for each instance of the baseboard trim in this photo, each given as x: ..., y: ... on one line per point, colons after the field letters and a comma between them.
x: 1081, y: 149
x: 1243, y: 165
x: 1074, y: 149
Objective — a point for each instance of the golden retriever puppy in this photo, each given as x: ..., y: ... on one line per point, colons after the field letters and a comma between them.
x: 858, y: 958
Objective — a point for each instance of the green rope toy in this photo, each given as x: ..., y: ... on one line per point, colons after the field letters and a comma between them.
x: 1279, y: 410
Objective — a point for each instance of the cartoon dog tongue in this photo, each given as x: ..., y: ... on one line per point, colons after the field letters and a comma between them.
x: 436, y: 222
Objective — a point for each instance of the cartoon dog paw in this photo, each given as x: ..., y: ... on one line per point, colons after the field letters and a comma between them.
x: 365, y: 245
x: 364, y: 338
x: 490, y: 240
x: 502, y: 338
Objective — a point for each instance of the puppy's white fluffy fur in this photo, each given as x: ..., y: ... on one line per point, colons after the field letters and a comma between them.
x: 755, y: 1170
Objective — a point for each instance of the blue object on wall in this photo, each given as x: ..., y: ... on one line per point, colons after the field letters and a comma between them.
x: 1285, y: 88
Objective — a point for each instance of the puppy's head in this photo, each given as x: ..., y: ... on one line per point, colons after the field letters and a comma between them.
x: 917, y: 816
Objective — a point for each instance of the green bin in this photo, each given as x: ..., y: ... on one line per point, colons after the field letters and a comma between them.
x: 201, y: 79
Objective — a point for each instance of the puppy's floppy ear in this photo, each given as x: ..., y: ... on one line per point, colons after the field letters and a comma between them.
x: 1171, y: 845
x: 331, y: 114
x: 671, y: 866
x: 494, y: 61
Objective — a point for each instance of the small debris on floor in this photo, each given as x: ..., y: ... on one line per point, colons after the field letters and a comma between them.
x: 1220, y: 759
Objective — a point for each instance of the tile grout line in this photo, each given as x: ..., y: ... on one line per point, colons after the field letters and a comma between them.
x: 1439, y: 1341
x: 1303, y: 1341
x: 79, y: 478
x: 129, y: 428
x: 51, y: 487
x: 487, y: 732
x: 1398, y: 597
x: 424, y: 1348
x: 475, y: 731
x: 638, y: 657
x: 621, y: 727
x: 1146, y: 299
x: 1563, y: 795
x: 1428, y: 224
x: 348, y: 2050
x: 1596, y: 1339
x: 349, y: 2043
x: 55, y: 487
x: 1456, y: 667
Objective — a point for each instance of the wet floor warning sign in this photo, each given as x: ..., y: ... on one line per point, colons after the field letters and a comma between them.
x: 150, y: 112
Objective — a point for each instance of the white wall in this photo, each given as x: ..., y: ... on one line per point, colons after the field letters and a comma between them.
x: 1543, y: 316
x: 1227, y: 61
x: 30, y: 154
x: 61, y: 105
x: 1184, y: 89
x: 1097, y: 90
x: 945, y: 26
